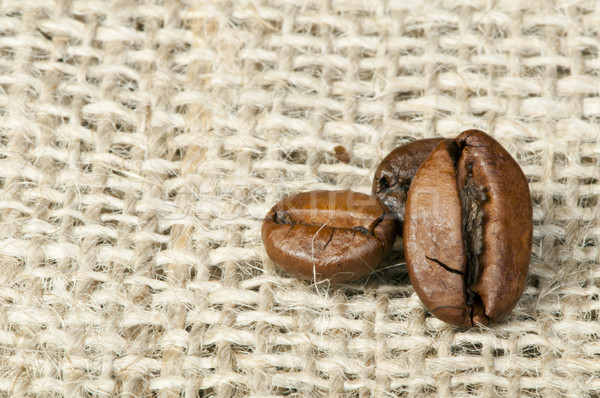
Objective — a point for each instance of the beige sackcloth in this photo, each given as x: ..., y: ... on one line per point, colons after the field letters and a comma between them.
x: 142, y: 142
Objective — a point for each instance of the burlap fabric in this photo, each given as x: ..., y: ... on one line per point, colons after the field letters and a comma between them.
x: 142, y: 142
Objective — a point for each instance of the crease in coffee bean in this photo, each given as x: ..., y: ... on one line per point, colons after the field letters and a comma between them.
x: 471, y: 314
x: 463, y: 142
x: 384, y: 184
x: 393, y: 189
x: 472, y: 197
x: 477, y: 303
x: 398, y: 184
x: 283, y: 217
x: 364, y: 230
x: 444, y: 266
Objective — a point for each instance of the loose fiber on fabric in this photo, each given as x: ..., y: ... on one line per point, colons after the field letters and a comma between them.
x: 142, y: 142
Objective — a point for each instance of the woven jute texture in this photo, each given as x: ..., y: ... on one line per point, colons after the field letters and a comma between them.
x: 143, y: 142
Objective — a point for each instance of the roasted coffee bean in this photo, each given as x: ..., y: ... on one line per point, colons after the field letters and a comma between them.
x: 395, y: 173
x: 335, y: 235
x: 468, y: 230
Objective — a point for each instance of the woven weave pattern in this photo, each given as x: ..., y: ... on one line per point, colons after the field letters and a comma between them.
x: 142, y: 143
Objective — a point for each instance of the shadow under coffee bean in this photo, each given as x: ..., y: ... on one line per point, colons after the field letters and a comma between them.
x: 335, y: 235
x: 468, y: 230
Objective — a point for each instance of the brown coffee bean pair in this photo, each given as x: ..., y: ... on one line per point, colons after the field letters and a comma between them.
x: 463, y: 207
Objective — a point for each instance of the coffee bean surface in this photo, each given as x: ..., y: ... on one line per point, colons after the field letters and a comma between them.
x: 468, y: 230
x: 395, y: 173
x: 335, y: 235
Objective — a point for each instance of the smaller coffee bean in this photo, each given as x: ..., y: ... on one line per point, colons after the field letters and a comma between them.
x: 468, y: 230
x: 395, y: 173
x: 335, y: 235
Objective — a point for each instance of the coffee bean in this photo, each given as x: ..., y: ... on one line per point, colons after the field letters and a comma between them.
x: 395, y: 173
x: 468, y: 230
x: 335, y: 235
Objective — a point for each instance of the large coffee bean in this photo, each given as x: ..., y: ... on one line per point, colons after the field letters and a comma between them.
x: 468, y: 230
x: 335, y: 235
x: 395, y: 173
